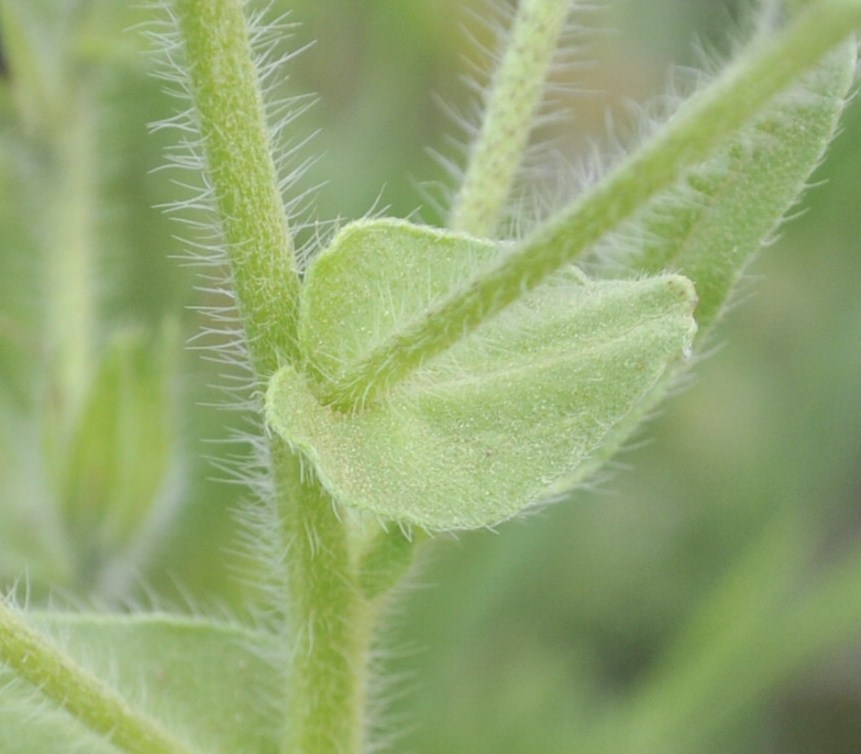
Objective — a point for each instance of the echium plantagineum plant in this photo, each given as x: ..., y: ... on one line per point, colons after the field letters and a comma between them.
x: 412, y: 380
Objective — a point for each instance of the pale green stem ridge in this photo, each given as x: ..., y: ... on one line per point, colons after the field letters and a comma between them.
x: 515, y: 94
x: 699, y: 127
x: 96, y: 706
x: 70, y: 293
x: 38, y: 94
x: 237, y: 147
x: 386, y: 559
x: 329, y: 620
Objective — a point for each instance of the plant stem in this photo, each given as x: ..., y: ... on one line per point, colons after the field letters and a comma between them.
x: 83, y: 696
x: 515, y: 93
x: 238, y: 151
x: 329, y: 620
x: 698, y: 128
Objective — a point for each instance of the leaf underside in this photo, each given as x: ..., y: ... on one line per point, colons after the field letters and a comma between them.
x: 512, y: 415
x: 376, y: 276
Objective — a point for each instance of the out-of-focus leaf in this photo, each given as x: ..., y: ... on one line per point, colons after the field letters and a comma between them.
x: 709, y: 227
x: 203, y: 681
x: 116, y: 468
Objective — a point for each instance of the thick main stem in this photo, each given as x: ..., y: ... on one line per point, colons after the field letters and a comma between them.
x: 328, y: 618
x: 238, y: 150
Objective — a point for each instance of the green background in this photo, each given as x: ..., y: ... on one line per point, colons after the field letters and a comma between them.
x: 671, y: 609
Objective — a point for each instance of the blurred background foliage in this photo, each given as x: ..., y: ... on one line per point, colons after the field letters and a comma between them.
x: 706, y: 599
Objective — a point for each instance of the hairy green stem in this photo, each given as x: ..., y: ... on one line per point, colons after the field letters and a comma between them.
x: 238, y: 152
x: 96, y: 706
x: 329, y: 620
x: 518, y: 84
x: 699, y: 127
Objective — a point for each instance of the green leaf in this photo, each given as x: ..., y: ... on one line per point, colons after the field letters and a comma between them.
x: 513, y: 415
x: 702, y: 125
x: 709, y: 226
x: 378, y: 276
x: 203, y: 681
x: 31, y: 539
x: 115, y: 485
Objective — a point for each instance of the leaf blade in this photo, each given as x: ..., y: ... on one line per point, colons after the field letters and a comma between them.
x: 710, y: 226
x: 514, y: 414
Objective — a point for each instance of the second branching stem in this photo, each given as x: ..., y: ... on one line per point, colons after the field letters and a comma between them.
x: 509, y: 113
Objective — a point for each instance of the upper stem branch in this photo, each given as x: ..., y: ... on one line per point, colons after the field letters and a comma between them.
x: 508, y: 118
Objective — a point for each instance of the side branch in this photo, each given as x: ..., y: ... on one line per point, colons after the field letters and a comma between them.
x: 514, y: 96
